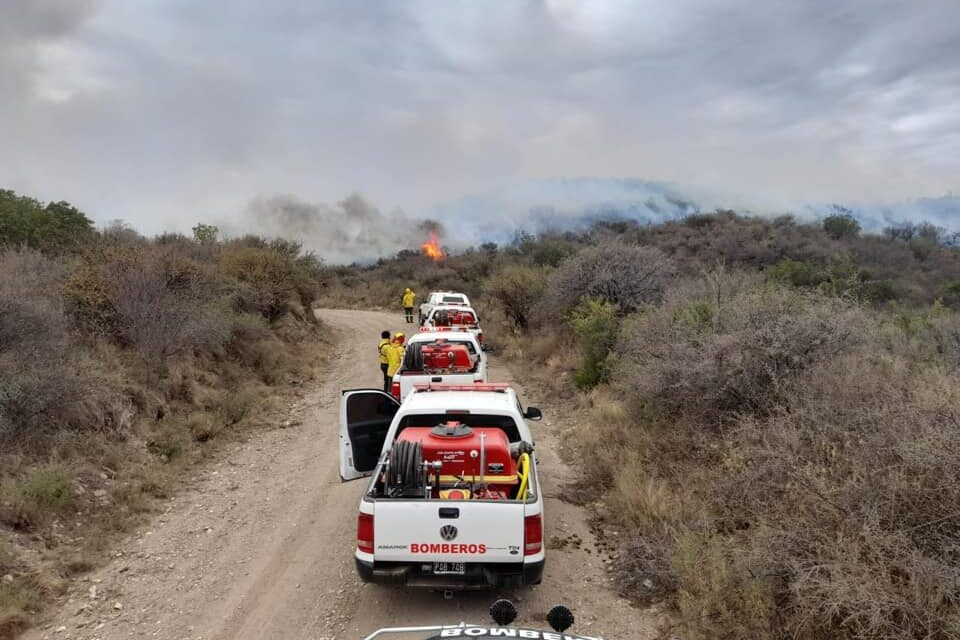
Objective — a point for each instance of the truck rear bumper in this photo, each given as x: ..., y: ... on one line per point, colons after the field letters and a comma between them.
x: 477, y: 576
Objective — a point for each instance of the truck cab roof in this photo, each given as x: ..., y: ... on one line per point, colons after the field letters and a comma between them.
x: 480, y: 400
x: 431, y: 334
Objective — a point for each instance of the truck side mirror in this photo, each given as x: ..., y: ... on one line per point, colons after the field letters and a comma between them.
x: 533, y: 413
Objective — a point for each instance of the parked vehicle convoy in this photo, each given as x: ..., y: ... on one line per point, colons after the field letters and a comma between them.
x: 461, y: 317
x: 454, y: 501
x: 440, y: 356
x: 442, y: 298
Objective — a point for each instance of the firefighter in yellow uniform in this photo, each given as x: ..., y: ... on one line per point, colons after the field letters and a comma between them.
x: 395, y: 351
x: 382, y: 349
x: 408, y: 299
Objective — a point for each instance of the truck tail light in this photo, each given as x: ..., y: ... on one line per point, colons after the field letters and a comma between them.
x: 532, y: 535
x: 395, y: 389
x: 365, y: 532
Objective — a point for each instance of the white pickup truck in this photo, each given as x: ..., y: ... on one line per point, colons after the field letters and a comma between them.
x: 456, y: 318
x: 454, y: 501
x: 446, y: 357
x: 442, y: 298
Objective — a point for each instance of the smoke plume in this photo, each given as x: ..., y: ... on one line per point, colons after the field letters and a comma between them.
x: 353, y: 230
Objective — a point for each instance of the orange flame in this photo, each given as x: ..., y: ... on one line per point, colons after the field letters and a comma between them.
x: 432, y: 248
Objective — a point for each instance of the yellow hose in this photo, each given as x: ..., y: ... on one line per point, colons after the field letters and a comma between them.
x: 523, y: 470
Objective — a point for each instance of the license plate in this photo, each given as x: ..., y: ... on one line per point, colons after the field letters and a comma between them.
x: 449, y: 568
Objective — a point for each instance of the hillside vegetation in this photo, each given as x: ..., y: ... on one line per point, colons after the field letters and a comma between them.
x: 771, y: 409
x: 122, y: 360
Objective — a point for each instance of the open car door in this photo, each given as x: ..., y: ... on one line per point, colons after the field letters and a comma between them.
x: 365, y: 417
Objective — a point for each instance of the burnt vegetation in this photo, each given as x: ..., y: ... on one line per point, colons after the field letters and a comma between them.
x: 122, y: 359
x: 770, y: 408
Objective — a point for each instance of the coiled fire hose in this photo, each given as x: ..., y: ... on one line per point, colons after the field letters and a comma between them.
x: 523, y: 470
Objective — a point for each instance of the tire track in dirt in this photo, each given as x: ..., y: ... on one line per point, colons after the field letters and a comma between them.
x: 260, y: 545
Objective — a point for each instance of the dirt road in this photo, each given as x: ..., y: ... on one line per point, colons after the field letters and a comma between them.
x: 259, y: 546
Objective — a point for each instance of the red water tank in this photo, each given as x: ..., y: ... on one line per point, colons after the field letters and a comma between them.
x: 462, y: 318
x: 444, y: 355
x: 454, y: 318
x: 457, y: 447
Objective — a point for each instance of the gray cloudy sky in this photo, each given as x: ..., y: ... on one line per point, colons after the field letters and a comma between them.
x: 163, y: 112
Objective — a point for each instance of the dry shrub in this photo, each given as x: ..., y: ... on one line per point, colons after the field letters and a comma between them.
x: 118, y: 363
x: 272, y: 274
x: 169, y: 441
x: 257, y: 349
x: 159, y: 316
x: 234, y: 405
x: 625, y: 275
x: 827, y: 510
x: 41, y: 383
x: 858, y: 483
x: 674, y: 357
x: 204, y: 426
x: 724, y: 590
x: 19, y: 600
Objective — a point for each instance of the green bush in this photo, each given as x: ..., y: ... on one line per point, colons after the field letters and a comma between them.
x: 698, y: 316
x: 518, y: 289
x: 205, y: 233
x: 841, y: 276
x: 55, y: 226
x: 595, y: 324
x: 841, y: 226
x: 44, y: 493
x: 550, y: 252
x: 797, y: 273
x: 950, y: 294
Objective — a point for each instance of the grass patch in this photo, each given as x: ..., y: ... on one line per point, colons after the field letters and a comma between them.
x: 42, y: 495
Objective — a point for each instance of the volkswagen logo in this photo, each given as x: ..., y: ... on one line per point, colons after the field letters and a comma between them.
x: 448, y: 532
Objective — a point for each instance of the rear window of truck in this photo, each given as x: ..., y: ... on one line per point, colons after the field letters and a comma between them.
x: 505, y: 423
